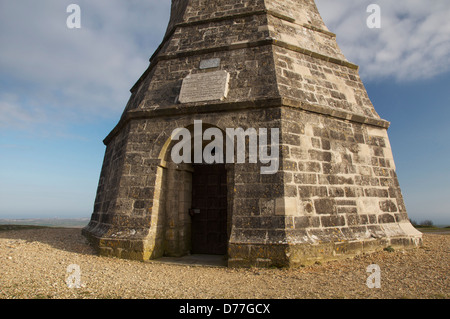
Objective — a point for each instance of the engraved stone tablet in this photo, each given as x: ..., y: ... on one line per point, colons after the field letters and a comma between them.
x: 209, y: 64
x: 205, y: 87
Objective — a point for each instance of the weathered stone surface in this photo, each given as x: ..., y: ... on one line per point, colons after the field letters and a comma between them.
x: 252, y: 64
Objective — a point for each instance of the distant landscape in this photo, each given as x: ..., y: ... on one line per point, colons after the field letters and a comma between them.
x: 49, y: 222
x: 424, y: 226
x: 433, y: 229
x: 427, y: 226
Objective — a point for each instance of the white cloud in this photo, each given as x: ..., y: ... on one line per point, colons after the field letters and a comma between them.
x: 413, y: 42
x: 13, y: 114
x: 75, y: 73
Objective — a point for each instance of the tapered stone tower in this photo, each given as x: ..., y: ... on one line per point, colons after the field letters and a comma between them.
x: 250, y: 64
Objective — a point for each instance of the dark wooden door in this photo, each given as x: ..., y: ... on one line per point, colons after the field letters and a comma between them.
x: 209, y: 199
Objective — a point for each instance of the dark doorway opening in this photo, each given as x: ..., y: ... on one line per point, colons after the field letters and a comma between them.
x: 209, y: 214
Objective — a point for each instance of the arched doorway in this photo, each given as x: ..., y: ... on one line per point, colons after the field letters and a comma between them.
x: 195, y: 214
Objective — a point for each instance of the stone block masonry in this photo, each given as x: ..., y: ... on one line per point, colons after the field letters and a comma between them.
x: 336, y: 193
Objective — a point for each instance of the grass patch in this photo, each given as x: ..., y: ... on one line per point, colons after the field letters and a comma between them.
x: 389, y: 249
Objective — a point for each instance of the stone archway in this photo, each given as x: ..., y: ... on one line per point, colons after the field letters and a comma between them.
x: 194, y: 214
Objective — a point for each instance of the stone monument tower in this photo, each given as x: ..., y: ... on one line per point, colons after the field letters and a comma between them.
x: 271, y: 73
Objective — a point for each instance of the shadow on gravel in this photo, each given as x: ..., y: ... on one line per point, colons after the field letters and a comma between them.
x: 67, y: 239
x: 71, y: 240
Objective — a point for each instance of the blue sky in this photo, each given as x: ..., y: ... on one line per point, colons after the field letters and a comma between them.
x: 63, y: 90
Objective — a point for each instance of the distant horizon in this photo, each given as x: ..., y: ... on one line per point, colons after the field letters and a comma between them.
x: 44, y: 218
x: 438, y: 223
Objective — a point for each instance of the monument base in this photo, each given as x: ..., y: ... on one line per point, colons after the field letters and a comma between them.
x: 334, y: 244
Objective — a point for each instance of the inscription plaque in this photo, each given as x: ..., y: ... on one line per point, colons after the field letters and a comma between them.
x: 210, y: 63
x: 204, y: 87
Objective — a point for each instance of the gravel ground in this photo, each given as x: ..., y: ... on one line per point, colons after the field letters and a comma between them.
x: 33, y: 264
